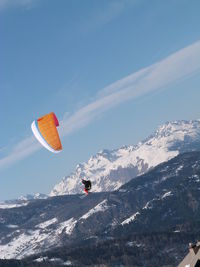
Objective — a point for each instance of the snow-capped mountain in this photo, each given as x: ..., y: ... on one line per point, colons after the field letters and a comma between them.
x: 31, y: 197
x: 21, y: 201
x: 109, y: 169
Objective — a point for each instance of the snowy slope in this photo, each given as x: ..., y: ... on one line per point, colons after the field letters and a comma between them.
x: 31, y: 241
x: 108, y: 170
x: 167, y: 197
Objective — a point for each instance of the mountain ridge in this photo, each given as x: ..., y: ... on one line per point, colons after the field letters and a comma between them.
x: 164, y: 199
x: 110, y: 169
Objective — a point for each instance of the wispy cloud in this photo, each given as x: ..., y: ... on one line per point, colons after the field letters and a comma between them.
x: 172, y: 69
x: 4, y: 4
x: 168, y: 71
x: 20, y: 151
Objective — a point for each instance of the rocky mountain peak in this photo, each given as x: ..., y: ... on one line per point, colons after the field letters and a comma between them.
x: 109, y: 169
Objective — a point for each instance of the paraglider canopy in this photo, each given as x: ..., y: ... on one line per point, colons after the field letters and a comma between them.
x: 44, y: 129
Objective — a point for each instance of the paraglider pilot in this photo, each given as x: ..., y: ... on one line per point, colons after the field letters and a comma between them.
x: 87, y: 184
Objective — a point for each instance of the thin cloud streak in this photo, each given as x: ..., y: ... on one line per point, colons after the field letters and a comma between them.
x: 174, y: 68
x: 20, y: 151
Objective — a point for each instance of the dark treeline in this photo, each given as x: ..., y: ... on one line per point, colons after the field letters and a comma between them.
x: 144, y: 250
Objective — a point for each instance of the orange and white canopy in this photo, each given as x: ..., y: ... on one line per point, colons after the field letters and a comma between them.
x: 46, y: 132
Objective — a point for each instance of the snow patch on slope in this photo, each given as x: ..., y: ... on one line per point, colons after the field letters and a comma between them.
x: 167, y: 194
x: 30, y: 241
x: 22, y: 245
x: 130, y: 219
x: 47, y: 223
x: 102, y: 206
x: 11, y: 206
x: 68, y: 226
x: 12, y: 226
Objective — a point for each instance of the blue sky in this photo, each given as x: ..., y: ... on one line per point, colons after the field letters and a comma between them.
x: 112, y: 71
